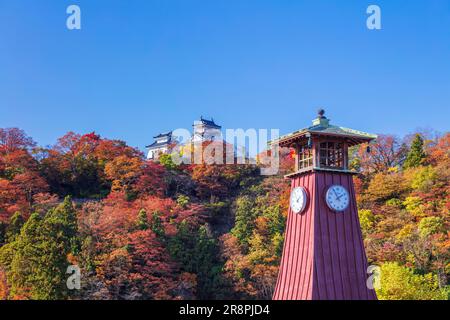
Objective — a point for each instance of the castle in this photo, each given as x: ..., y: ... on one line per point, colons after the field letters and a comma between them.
x: 203, y: 130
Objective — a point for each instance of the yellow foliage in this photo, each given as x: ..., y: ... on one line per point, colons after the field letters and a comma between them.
x: 122, y: 170
x: 414, y: 206
x: 421, y: 178
x: 258, y: 249
x: 385, y: 186
x: 367, y: 220
x: 393, y: 170
x: 405, y: 232
x: 400, y: 283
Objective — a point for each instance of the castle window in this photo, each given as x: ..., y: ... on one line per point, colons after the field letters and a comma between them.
x: 331, y: 155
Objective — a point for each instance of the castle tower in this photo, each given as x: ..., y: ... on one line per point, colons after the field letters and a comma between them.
x: 323, y: 255
x: 206, y: 130
x: 160, y: 146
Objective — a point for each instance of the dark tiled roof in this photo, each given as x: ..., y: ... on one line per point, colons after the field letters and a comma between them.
x: 156, y: 145
x: 209, y: 123
x: 162, y: 135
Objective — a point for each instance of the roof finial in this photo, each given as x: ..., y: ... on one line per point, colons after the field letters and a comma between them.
x: 321, y: 113
x: 321, y: 120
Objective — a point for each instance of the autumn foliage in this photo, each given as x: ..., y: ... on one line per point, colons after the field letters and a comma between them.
x: 139, y: 229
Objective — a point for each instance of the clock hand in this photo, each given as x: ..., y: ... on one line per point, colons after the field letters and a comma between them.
x: 335, y: 193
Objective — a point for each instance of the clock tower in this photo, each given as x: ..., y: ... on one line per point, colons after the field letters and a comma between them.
x: 323, y: 255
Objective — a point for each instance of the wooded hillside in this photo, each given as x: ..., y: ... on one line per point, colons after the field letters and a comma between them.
x: 146, y: 230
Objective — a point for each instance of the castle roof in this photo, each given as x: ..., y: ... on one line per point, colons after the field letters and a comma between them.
x: 209, y: 123
x: 163, y: 135
x: 157, y: 145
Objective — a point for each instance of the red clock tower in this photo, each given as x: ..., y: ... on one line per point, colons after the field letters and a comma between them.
x: 323, y: 255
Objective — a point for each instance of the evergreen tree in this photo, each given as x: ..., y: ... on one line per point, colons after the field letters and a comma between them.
x: 2, y: 233
x: 207, y: 266
x: 142, y: 222
x: 37, y: 259
x: 416, y: 155
x: 244, y: 220
x: 181, y: 246
x: 157, y: 225
x: 13, y: 229
x: 23, y: 261
x: 197, y: 252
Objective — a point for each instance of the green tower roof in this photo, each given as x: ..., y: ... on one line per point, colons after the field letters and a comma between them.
x: 322, y: 127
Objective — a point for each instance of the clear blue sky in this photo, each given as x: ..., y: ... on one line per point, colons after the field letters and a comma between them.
x: 144, y: 66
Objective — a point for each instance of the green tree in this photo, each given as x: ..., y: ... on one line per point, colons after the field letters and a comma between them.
x: 38, y: 258
x: 207, y: 267
x: 416, y: 154
x: 180, y: 246
x: 157, y: 225
x: 2, y: 233
x: 197, y: 252
x: 244, y: 220
x: 266, y: 242
x: 183, y: 201
x: 15, y: 224
x: 167, y: 162
x: 142, y: 223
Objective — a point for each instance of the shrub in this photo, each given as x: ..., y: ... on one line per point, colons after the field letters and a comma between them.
x: 401, y: 283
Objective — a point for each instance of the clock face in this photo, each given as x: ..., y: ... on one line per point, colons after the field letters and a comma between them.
x: 299, y: 198
x: 337, y: 198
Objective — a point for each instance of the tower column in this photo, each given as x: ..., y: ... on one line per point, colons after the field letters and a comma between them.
x: 323, y: 253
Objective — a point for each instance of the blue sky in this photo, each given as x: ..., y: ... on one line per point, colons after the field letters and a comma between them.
x: 145, y: 66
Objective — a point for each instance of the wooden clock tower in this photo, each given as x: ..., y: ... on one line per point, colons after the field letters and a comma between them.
x: 323, y: 254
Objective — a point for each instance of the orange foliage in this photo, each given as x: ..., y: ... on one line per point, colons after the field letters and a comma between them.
x: 440, y: 153
x: 4, y: 290
x: 123, y: 171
